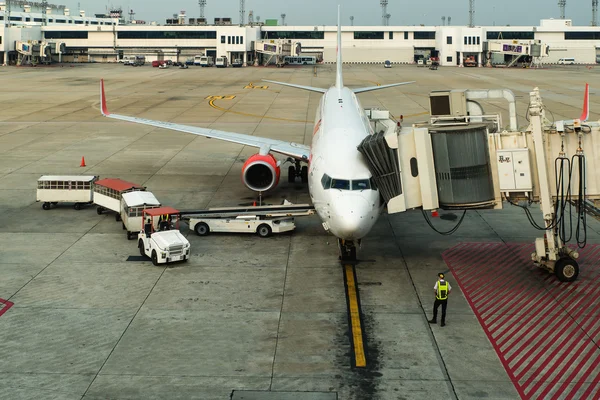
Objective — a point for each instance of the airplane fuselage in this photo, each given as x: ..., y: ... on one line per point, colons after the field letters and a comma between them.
x: 340, y: 183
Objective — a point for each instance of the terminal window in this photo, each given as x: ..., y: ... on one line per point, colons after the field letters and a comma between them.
x: 424, y: 35
x: 448, y: 39
x: 368, y: 35
x: 228, y: 39
x: 241, y: 40
x: 237, y: 40
x: 449, y: 59
x: 582, y: 35
x: 65, y: 35
x: 223, y: 39
x: 405, y: 35
x: 511, y: 35
x: 292, y: 35
x: 391, y: 35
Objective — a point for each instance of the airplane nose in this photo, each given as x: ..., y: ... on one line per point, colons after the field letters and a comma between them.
x: 352, y: 217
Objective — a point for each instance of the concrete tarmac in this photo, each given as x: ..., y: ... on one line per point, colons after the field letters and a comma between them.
x: 245, y: 313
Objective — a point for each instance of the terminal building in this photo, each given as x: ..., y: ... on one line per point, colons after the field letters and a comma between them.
x: 60, y: 36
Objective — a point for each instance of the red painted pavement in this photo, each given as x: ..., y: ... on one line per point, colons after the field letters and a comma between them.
x: 545, y: 332
x: 6, y: 305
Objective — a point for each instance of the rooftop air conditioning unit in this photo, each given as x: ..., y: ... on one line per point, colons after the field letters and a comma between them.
x: 448, y: 103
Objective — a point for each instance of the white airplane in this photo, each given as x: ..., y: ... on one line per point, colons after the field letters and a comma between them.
x: 339, y: 181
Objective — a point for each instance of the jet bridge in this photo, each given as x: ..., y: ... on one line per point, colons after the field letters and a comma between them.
x: 464, y: 160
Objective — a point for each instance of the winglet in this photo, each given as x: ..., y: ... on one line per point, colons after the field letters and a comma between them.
x: 586, y: 104
x: 103, y: 108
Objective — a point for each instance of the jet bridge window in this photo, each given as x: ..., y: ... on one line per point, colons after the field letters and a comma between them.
x: 341, y: 184
x: 361, y: 184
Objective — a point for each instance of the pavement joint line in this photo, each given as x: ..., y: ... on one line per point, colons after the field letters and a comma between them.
x: 354, y: 316
x: 287, y: 264
x: 438, y: 353
x: 124, y: 331
x: 54, y: 260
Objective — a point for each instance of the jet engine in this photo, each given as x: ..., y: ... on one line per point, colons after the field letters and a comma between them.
x: 261, y: 173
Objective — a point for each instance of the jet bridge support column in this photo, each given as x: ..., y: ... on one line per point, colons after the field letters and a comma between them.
x: 550, y: 252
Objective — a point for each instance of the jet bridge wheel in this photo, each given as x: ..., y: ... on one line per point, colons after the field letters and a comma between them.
x: 566, y: 269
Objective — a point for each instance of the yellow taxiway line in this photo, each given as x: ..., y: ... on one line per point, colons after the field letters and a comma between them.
x: 354, y: 312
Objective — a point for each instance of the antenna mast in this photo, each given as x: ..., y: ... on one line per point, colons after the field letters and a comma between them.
x: 594, y: 12
x: 202, y: 4
x: 283, y: 19
x: 471, y: 13
x: 384, y: 13
x: 352, y: 20
x: 242, y: 11
x: 562, y: 4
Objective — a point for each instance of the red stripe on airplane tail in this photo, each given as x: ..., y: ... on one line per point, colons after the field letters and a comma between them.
x: 103, y: 98
x: 586, y: 104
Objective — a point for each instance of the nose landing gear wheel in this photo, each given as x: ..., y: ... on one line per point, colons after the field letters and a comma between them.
x: 347, y: 251
x: 304, y: 174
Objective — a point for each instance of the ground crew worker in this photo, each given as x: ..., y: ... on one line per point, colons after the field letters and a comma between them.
x: 442, y: 289
x: 164, y: 222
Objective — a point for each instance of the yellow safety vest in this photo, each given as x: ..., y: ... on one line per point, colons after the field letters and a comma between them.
x: 442, y: 291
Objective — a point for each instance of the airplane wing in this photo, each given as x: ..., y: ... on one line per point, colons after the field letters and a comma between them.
x: 310, y: 88
x: 371, y: 88
x: 295, y: 150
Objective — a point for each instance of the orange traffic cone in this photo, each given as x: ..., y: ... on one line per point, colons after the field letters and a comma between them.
x: 435, y: 214
x: 254, y: 204
x: 82, y: 162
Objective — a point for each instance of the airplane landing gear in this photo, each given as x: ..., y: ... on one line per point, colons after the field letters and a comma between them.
x: 347, y: 251
x: 297, y: 170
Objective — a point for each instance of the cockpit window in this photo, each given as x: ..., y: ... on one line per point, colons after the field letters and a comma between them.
x: 326, y: 181
x: 341, y: 184
x: 361, y: 184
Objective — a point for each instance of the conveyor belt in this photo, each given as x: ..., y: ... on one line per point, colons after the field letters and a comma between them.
x: 268, y: 211
x: 383, y: 164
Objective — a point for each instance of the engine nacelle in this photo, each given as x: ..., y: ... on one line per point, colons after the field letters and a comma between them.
x: 261, y: 173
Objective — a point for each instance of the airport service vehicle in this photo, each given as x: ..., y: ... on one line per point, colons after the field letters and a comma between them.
x: 221, y: 62
x: 262, y: 220
x: 387, y: 64
x: 470, y: 61
x: 206, y: 61
x: 566, y: 61
x: 237, y: 63
x: 336, y: 165
x: 300, y: 60
x: 138, y: 61
x: 160, y: 239
x: 108, y: 194
x: 133, y: 205
x: 76, y: 189
x: 163, y: 66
